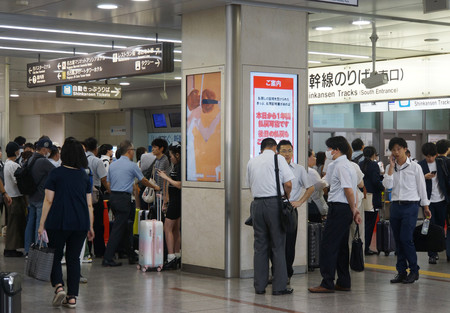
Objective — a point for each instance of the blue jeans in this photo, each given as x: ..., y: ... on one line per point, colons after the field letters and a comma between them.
x: 438, y: 215
x: 403, y: 221
x: 33, y: 220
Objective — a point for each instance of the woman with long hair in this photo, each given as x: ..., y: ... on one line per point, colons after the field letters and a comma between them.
x: 374, y: 187
x: 67, y: 216
x: 172, y: 223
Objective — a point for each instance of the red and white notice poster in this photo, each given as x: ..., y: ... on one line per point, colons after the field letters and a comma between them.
x: 273, y: 110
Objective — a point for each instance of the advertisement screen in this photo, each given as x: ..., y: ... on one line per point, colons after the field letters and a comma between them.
x: 273, y: 110
x: 159, y: 120
x: 203, y: 127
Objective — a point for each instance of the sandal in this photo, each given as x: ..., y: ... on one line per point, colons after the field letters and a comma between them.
x: 66, y: 302
x: 60, y: 295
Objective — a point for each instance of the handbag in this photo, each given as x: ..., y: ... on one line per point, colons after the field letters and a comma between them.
x: 149, y: 193
x: 40, y: 260
x: 434, y: 241
x: 288, y: 214
x: 95, y: 195
x: 356, y: 256
x: 367, y: 202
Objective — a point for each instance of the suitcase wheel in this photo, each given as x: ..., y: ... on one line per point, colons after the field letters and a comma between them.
x: 144, y: 269
x: 138, y: 267
x: 159, y: 268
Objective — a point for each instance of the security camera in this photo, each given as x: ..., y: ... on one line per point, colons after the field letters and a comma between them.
x: 375, y: 80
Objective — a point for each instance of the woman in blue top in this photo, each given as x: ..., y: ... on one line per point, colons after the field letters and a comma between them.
x: 67, y: 216
x: 374, y: 187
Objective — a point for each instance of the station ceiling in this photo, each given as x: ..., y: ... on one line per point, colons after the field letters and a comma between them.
x: 404, y: 30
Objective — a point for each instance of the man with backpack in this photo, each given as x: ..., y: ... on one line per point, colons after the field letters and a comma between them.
x: 357, y: 146
x: 40, y: 167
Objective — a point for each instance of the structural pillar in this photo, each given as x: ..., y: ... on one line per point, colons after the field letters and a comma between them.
x: 233, y: 41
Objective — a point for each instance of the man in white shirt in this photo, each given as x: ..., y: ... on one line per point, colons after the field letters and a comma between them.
x: 334, y: 250
x: 317, y: 206
x: 265, y: 213
x: 15, y: 233
x: 407, y: 182
x: 301, y: 181
x: 436, y: 180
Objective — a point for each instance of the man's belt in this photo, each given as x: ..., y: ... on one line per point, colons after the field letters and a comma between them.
x: 265, y: 198
x: 401, y: 202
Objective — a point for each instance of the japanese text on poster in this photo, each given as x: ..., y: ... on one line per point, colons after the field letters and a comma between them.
x: 273, y: 109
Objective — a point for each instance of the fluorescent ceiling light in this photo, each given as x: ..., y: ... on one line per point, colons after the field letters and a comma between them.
x: 176, y: 51
x: 107, y: 6
x: 72, y: 32
x: 41, y: 50
x: 177, y: 77
x: 340, y: 55
x: 361, y: 22
x: 176, y: 60
x: 14, y: 95
x: 140, y: 0
x: 70, y: 43
x: 314, y: 62
x: 124, y: 84
x: 323, y: 28
x: 51, y: 91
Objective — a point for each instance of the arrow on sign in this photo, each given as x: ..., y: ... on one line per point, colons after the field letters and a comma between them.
x: 158, y: 62
x: 30, y: 70
x: 30, y: 80
x: 116, y: 92
x: 59, y: 75
x: 59, y: 66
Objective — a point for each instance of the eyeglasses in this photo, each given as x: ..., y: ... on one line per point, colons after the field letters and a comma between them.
x: 285, y: 151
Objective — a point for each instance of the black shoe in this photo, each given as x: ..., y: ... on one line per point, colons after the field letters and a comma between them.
x: 399, y: 278
x: 448, y: 258
x: 260, y: 292
x: 171, y: 265
x: 12, y: 254
x: 107, y: 263
x: 133, y: 258
x: 370, y: 252
x: 432, y: 260
x: 286, y: 291
x: 412, y: 277
x: 179, y: 262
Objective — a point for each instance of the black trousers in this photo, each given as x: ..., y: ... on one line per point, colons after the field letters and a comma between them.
x: 334, y: 251
x: 370, y: 219
x: 99, y: 228
x: 73, y: 240
x: 120, y: 206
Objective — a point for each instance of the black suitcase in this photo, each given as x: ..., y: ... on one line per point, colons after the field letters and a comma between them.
x: 10, y: 293
x: 434, y: 241
x: 385, y: 238
x: 314, y: 239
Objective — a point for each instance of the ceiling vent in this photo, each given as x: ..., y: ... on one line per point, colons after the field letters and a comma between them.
x: 430, y: 6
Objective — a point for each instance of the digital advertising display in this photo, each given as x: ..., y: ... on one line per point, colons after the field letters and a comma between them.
x: 273, y: 113
x: 203, y: 127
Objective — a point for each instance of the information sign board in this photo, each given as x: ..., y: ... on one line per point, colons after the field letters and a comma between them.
x: 91, y: 91
x: 131, y: 61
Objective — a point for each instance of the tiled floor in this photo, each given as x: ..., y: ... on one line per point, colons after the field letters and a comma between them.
x: 125, y: 289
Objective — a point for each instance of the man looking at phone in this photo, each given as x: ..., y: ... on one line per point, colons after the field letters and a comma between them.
x: 408, y: 188
x: 435, y: 181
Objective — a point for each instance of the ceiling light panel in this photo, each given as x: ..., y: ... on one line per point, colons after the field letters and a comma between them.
x: 69, y: 43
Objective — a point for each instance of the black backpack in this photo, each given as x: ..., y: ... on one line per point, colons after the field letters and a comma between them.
x: 25, y: 181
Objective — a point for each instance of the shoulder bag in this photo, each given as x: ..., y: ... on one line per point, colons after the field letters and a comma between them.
x: 149, y: 193
x: 288, y: 214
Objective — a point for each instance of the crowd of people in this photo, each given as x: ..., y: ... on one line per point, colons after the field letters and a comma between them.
x: 70, y: 184
x: 63, y: 197
x: 340, y: 184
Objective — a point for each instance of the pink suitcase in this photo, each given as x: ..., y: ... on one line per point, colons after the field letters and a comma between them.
x: 151, y: 243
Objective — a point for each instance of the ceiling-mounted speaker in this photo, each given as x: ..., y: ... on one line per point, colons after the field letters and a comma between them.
x: 430, y: 6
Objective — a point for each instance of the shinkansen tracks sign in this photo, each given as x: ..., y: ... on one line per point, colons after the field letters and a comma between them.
x: 131, y: 61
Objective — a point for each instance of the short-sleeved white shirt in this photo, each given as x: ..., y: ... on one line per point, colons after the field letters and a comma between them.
x: 261, y: 174
x: 301, y: 181
x: 341, y: 174
x: 10, y: 180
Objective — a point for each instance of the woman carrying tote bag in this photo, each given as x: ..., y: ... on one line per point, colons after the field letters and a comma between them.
x: 67, y: 216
